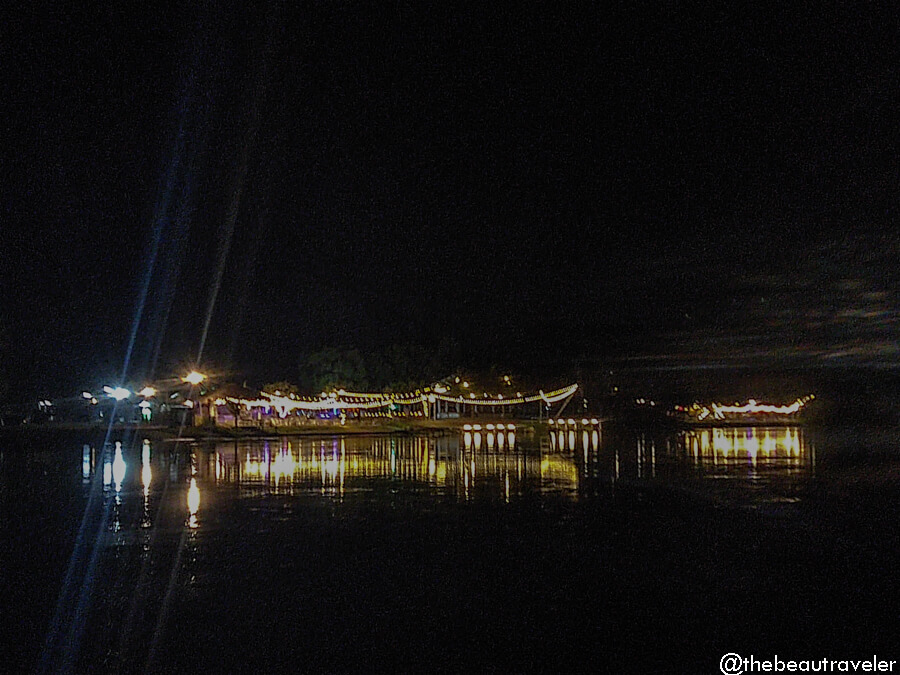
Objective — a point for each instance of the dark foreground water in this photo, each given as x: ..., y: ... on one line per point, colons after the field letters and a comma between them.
x: 588, y: 550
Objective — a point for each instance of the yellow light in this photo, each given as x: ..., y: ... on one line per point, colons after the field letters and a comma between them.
x: 193, y: 377
x: 466, y: 385
x: 193, y: 500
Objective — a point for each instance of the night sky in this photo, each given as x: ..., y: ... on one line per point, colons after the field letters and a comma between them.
x: 668, y: 185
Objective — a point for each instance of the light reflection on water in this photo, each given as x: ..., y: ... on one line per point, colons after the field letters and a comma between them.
x: 475, y: 465
x: 178, y: 512
x: 749, y: 464
x: 159, y: 502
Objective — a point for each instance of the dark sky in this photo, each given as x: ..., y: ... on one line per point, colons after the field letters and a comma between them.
x: 667, y: 184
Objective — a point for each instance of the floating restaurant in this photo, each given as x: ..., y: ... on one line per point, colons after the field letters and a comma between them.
x: 429, y: 403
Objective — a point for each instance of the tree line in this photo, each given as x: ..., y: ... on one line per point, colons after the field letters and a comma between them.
x: 399, y: 367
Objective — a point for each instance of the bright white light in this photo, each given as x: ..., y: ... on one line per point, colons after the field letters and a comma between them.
x: 147, y: 392
x: 193, y: 377
x: 118, y: 393
x: 88, y: 395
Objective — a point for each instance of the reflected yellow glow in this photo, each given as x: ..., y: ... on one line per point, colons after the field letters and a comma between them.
x: 761, y: 446
x: 443, y: 463
x: 283, y: 466
x: 332, y: 467
x: 193, y: 503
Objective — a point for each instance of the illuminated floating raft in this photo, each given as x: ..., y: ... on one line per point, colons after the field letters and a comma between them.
x: 344, y: 400
x: 751, y: 412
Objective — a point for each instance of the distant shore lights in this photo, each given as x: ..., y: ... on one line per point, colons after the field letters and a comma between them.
x: 718, y: 411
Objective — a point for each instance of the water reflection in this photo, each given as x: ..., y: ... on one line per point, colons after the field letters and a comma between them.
x: 193, y: 502
x: 747, y: 464
x: 146, y: 470
x: 476, y: 464
x: 755, y: 464
x: 748, y: 450
x: 87, y: 461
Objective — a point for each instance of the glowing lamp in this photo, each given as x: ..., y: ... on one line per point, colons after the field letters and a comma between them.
x: 193, y: 377
x: 118, y: 393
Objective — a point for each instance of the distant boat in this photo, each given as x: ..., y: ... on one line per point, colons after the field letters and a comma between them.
x: 751, y: 412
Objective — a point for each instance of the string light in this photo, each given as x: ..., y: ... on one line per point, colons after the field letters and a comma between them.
x: 343, y: 400
x: 751, y: 407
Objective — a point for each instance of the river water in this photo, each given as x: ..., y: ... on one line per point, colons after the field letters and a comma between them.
x: 588, y: 548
